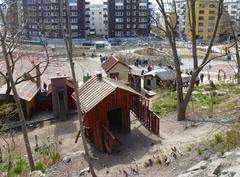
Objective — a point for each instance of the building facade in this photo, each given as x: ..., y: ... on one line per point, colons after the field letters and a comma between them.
x: 206, y: 15
x: 42, y: 17
x: 128, y: 18
x: 181, y: 11
x: 232, y: 7
x: 96, y: 19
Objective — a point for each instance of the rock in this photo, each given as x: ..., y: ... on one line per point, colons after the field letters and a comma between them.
x: 200, y: 166
x: 66, y: 159
x: 84, y: 171
x: 214, y: 168
x: 197, y: 173
x: 36, y: 174
x: 75, y: 154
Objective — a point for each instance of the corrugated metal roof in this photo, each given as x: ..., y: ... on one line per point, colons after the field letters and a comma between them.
x: 163, y: 73
x: 95, y: 90
x: 26, y: 90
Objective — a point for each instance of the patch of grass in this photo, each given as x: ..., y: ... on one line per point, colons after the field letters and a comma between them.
x: 40, y: 165
x: 165, y: 103
x: 19, y: 166
x: 222, y: 142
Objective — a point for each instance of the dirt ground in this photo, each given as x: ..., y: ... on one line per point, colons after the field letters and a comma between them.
x: 135, y: 149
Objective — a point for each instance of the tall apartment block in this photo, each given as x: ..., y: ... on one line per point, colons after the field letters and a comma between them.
x: 206, y: 15
x: 181, y: 11
x: 96, y: 18
x: 232, y: 7
x: 42, y: 17
x: 128, y: 18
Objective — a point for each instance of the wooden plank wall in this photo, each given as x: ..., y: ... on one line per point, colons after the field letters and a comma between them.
x: 97, y: 117
x: 149, y: 119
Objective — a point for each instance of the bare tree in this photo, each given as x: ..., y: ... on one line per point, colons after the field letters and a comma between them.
x: 183, y: 99
x: 17, y: 53
x: 6, y: 56
x: 234, y: 33
x: 67, y: 35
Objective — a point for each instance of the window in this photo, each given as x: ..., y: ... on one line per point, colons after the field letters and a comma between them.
x: 202, y: 5
x: 118, y: 33
x: 119, y: 13
x: 119, y: 7
x: 201, y: 11
x: 200, y: 24
x: 212, y: 12
x: 212, y: 5
x: 142, y: 20
x: 211, y: 18
x: 119, y: 20
x: 201, y: 18
x: 119, y: 26
x: 143, y: 7
x: 142, y: 26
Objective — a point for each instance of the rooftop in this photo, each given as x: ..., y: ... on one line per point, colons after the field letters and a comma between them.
x: 26, y: 90
x: 96, y: 89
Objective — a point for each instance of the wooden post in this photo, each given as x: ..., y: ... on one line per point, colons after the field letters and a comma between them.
x: 36, y: 141
x: 1, y: 157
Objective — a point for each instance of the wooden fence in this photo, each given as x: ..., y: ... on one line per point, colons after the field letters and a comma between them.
x: 149, y: 119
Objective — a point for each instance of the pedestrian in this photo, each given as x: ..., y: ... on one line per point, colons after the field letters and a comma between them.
x: 45, y: 86
x: 201, y: 77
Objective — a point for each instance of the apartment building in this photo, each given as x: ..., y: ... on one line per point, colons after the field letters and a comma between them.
x: 232, y: 7
x: 206, y: 15
x: 181, y: 11
x: 96, y: 19
x: 42, y: 17
x: 128, y: 18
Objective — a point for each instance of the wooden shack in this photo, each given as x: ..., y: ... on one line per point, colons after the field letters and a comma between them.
x: 27, y: 91
x: 106, y: 105
x: 116, y: 69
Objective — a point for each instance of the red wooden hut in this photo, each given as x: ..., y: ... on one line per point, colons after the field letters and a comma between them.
x: 106, y: 105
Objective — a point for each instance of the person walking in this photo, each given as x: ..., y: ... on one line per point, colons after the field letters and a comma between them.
x: 201, y: 77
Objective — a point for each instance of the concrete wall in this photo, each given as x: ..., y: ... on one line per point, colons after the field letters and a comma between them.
x: 59, y: 85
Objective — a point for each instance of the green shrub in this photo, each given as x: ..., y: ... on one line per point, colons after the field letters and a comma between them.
x: 218, y: 139
x: 40, y: 165
x: 19, y: 166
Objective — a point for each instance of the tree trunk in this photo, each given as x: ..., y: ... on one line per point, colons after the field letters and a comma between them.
x: 181, y: 111
x: 19, y: 107
x: 68, y: 43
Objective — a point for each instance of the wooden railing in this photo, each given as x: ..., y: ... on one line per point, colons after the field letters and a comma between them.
x: 148, y: 118
x: 108, y: 139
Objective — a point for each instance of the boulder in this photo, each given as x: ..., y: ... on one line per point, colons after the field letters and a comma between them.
x: 200, y: 166
x: 36, y: 174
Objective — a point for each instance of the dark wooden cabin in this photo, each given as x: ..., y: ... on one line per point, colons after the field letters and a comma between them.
x: 106, y: 105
